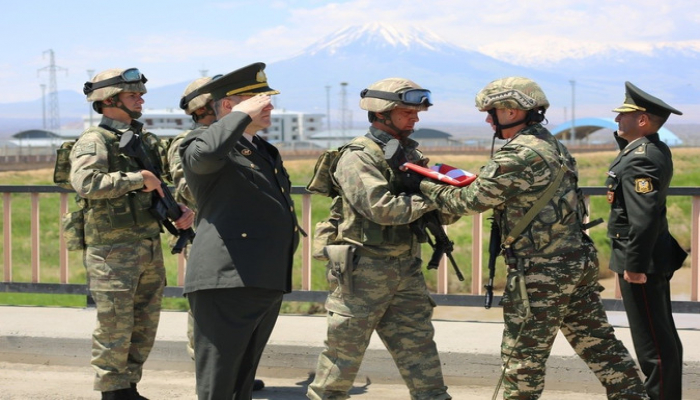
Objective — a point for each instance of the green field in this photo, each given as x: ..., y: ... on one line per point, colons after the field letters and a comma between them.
x: 592, y: 169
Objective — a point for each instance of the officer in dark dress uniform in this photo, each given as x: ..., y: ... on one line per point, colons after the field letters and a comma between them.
x: 241, y: 260
x: 644, y: 254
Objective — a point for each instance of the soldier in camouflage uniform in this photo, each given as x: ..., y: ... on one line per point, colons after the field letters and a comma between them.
x: 558, y: 258
x: 383, y: 288
x: 123, y: 254
x: 200, y: 107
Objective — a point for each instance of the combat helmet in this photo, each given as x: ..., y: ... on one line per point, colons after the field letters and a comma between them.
x: 110, y: 83
x: 387, y: 94
x: 514, y: 93
x: 192, y: 99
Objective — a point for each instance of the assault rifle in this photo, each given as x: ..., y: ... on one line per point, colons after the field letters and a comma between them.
x: 494, y: 251
x: 165, y: 209
x: 430, y: 223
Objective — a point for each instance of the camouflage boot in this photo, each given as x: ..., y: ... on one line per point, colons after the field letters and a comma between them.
x: 121, y: 394
x: 134, y: 393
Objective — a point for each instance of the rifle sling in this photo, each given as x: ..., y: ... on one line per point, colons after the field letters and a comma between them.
x: 539, y: 204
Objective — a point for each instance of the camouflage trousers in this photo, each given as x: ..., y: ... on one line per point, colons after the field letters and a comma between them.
x: 126, y: 281
x: 564, y: 295
x: 389, y: 296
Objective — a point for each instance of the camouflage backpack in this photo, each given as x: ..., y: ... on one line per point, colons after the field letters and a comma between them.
x: 73, y: 223
x: 322, y: 182
x: 61, y: 170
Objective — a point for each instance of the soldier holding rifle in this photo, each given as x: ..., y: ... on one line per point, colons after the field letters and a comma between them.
x: 122, y: 254
x: 374, y: 255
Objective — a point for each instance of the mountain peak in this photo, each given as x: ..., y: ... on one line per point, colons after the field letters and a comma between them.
x: 379, y: 35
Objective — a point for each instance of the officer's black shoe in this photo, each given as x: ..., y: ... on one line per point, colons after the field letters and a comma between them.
x: 135, y: 394
x: 258, y: 385
x: 121, y: 394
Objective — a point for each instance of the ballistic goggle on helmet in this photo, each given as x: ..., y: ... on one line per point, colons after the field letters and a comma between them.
x: 387, y: 94
x: 512, y: 93
x: 113, y: 81
x: 192, y: 99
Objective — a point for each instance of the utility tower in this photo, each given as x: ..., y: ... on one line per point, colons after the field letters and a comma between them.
x: 344, y: 120
x: 55, y: 118
x: 43, y: 105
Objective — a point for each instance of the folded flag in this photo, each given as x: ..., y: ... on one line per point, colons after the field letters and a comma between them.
x: 443, y: 173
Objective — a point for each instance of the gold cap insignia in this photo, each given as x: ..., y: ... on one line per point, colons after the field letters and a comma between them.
x: 643, y: 185
x: 260, y: 76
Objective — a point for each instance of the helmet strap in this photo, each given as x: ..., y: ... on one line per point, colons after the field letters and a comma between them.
x: 120, y: 105
x: 401, y: 135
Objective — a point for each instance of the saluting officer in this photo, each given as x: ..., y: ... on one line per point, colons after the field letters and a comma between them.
x: 644, y: 254
x: 241, y: 260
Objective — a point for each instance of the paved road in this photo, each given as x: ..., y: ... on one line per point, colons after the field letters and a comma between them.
x: 44, y: 354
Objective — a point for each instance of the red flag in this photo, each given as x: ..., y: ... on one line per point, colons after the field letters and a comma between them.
x: 443, y: 173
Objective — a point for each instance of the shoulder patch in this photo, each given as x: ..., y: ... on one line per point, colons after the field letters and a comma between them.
x: 643, y: 185
x: 641, y: 149
x: 81, y: 149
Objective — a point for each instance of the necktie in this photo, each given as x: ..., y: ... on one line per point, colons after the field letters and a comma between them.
x: 262, y: 149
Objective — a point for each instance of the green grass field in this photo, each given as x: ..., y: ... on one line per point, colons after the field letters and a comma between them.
x: 592, y: 169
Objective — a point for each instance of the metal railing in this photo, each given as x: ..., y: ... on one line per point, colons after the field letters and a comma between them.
x: 304, y: 293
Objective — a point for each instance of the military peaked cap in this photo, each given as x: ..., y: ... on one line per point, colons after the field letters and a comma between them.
x: 638, y: 100
x: 247, y: 81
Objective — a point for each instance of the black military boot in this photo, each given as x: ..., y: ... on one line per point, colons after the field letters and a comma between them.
x: 258, y: 385
x: 135, y: 394
x: 121, y: 394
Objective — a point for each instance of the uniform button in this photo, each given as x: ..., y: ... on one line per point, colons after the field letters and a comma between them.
x: 275, y: 170
x: 617, y: 235
x: 244, y: 234
x: 252, y: 165
x: 282, y: 190
x: 291, y: 208
x: 296, y: 228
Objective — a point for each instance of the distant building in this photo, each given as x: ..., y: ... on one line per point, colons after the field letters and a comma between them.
x: 287, y: 126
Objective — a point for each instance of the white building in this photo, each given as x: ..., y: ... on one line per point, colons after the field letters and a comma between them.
x: 287, y: 126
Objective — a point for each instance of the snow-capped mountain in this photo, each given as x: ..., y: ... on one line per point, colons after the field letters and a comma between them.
x: 356, y: 56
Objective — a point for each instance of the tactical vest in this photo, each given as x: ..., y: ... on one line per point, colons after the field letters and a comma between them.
x: 558, y: 227
x: 125, y: 218
x: 344, y: 224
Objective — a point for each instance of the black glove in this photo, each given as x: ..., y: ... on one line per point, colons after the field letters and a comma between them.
x: 410, y: 181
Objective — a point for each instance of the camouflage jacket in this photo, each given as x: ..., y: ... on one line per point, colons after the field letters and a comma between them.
x: 513, y: 180
x: 110, y: 183
x: 375, y: 215
x: 182, y: 191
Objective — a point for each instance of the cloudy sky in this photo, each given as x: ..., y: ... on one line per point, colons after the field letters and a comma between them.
x: 173, y: 41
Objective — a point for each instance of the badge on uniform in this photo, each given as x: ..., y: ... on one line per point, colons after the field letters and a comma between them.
x: 643, y: 185
x: 611, y: 197
x: 246, y: 152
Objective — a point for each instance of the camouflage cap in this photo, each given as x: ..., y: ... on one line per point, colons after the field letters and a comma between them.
x: 191, y: 104
x: 391, y: 85
x: 638, y: 100
x: 111, y: 90
x: 512, y: 92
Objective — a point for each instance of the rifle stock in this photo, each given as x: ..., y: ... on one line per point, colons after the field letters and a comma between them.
x: 166, y: 208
